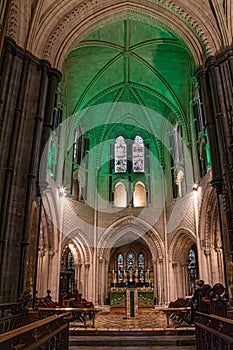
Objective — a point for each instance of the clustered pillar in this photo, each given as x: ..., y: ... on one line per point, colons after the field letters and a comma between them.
x: 27, y: 90
x: 216, y: 79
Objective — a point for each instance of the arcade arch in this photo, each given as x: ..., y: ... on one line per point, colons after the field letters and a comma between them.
x: 127, y: 235
x: 211, y: 255
x: 179, y: 254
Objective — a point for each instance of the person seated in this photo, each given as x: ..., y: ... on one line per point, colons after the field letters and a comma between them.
x: 82, y: 303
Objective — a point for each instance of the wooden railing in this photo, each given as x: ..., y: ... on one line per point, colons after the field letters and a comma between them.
x: 47, y: 334
x: 82, y: 315
x: 214, y: 332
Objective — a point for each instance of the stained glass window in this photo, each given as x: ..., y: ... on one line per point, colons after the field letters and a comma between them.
x: 130, y: 261
x: 120, y: 155
x: 138, y: 155
x: 141, y: 267
x: 208, y: 159
x: 120, y: 262
x: 70, y: 261
x: 192, y: 268
x: 52, y: 156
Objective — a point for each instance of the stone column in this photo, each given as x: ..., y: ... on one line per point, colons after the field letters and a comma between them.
x: 209, y: 265
x: 160, y: 274
x: 106, y: 279
x: 174, y: 288
x: 24, y: 101
x: 78, y: 275
x: 219, y: 264
x: 86, y: 281
x: 185, y: 279
x: 40, y: 273
x: 155, y: 280
x: 100, y: 281
x: 216, y: 84
x: 50, y: 283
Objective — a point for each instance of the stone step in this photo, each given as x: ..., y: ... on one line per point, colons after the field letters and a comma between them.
x: 132, y: 332
x: 132, y: 340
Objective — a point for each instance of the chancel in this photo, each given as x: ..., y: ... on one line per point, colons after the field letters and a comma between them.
x: 116, y: 153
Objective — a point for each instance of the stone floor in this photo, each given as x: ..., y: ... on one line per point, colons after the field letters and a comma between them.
x: 147, y: 331
x: 149, y: 319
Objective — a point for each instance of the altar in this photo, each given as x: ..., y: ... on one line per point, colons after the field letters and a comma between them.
x: 145, y: 297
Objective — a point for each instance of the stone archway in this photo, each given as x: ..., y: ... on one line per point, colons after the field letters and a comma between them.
x: 61, y: 28
x: 179, y: 250
x: 211, y: 253
x: 133, y: 234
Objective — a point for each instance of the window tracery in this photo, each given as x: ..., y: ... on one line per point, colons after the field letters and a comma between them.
x: 138, y: 155
x: 120, y: 155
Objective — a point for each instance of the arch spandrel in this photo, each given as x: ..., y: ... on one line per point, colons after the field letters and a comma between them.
x: 54, y: 28
x: 138, y: 229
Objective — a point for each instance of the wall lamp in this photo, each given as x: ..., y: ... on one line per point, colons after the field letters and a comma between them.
x: 62, y: 191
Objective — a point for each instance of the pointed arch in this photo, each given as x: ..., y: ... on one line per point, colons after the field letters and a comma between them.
x: 181, y: 242
x: 77, y: 236
x: 139, y: 195
x: 126, y: 230
x: 63, y: 29
x: 120, y: 195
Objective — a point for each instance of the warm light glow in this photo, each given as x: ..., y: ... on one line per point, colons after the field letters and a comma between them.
x: 139, y: 195
x: 120, y: 196
x: 62, y: 191
x: 195, y: 187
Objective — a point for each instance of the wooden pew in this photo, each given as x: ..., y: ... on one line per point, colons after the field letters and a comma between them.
x: 213, y: 332
x: 12, y: 315
x: 40, y: 334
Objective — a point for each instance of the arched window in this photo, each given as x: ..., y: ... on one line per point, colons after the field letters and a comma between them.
x: 120, y: 196
x: 141, y: 267
x: 120, y: 269
x: 70, y: 261
x: 120, y: 155
x: 179, y: 144
x: 138, y: 155
x: 193, y: 266
x: 181, y: 185
x: 130, y: 261
x: 139, y: 195
x: 177, y: 162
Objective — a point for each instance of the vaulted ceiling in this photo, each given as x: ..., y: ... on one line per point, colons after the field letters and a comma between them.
x: 130, y: 61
